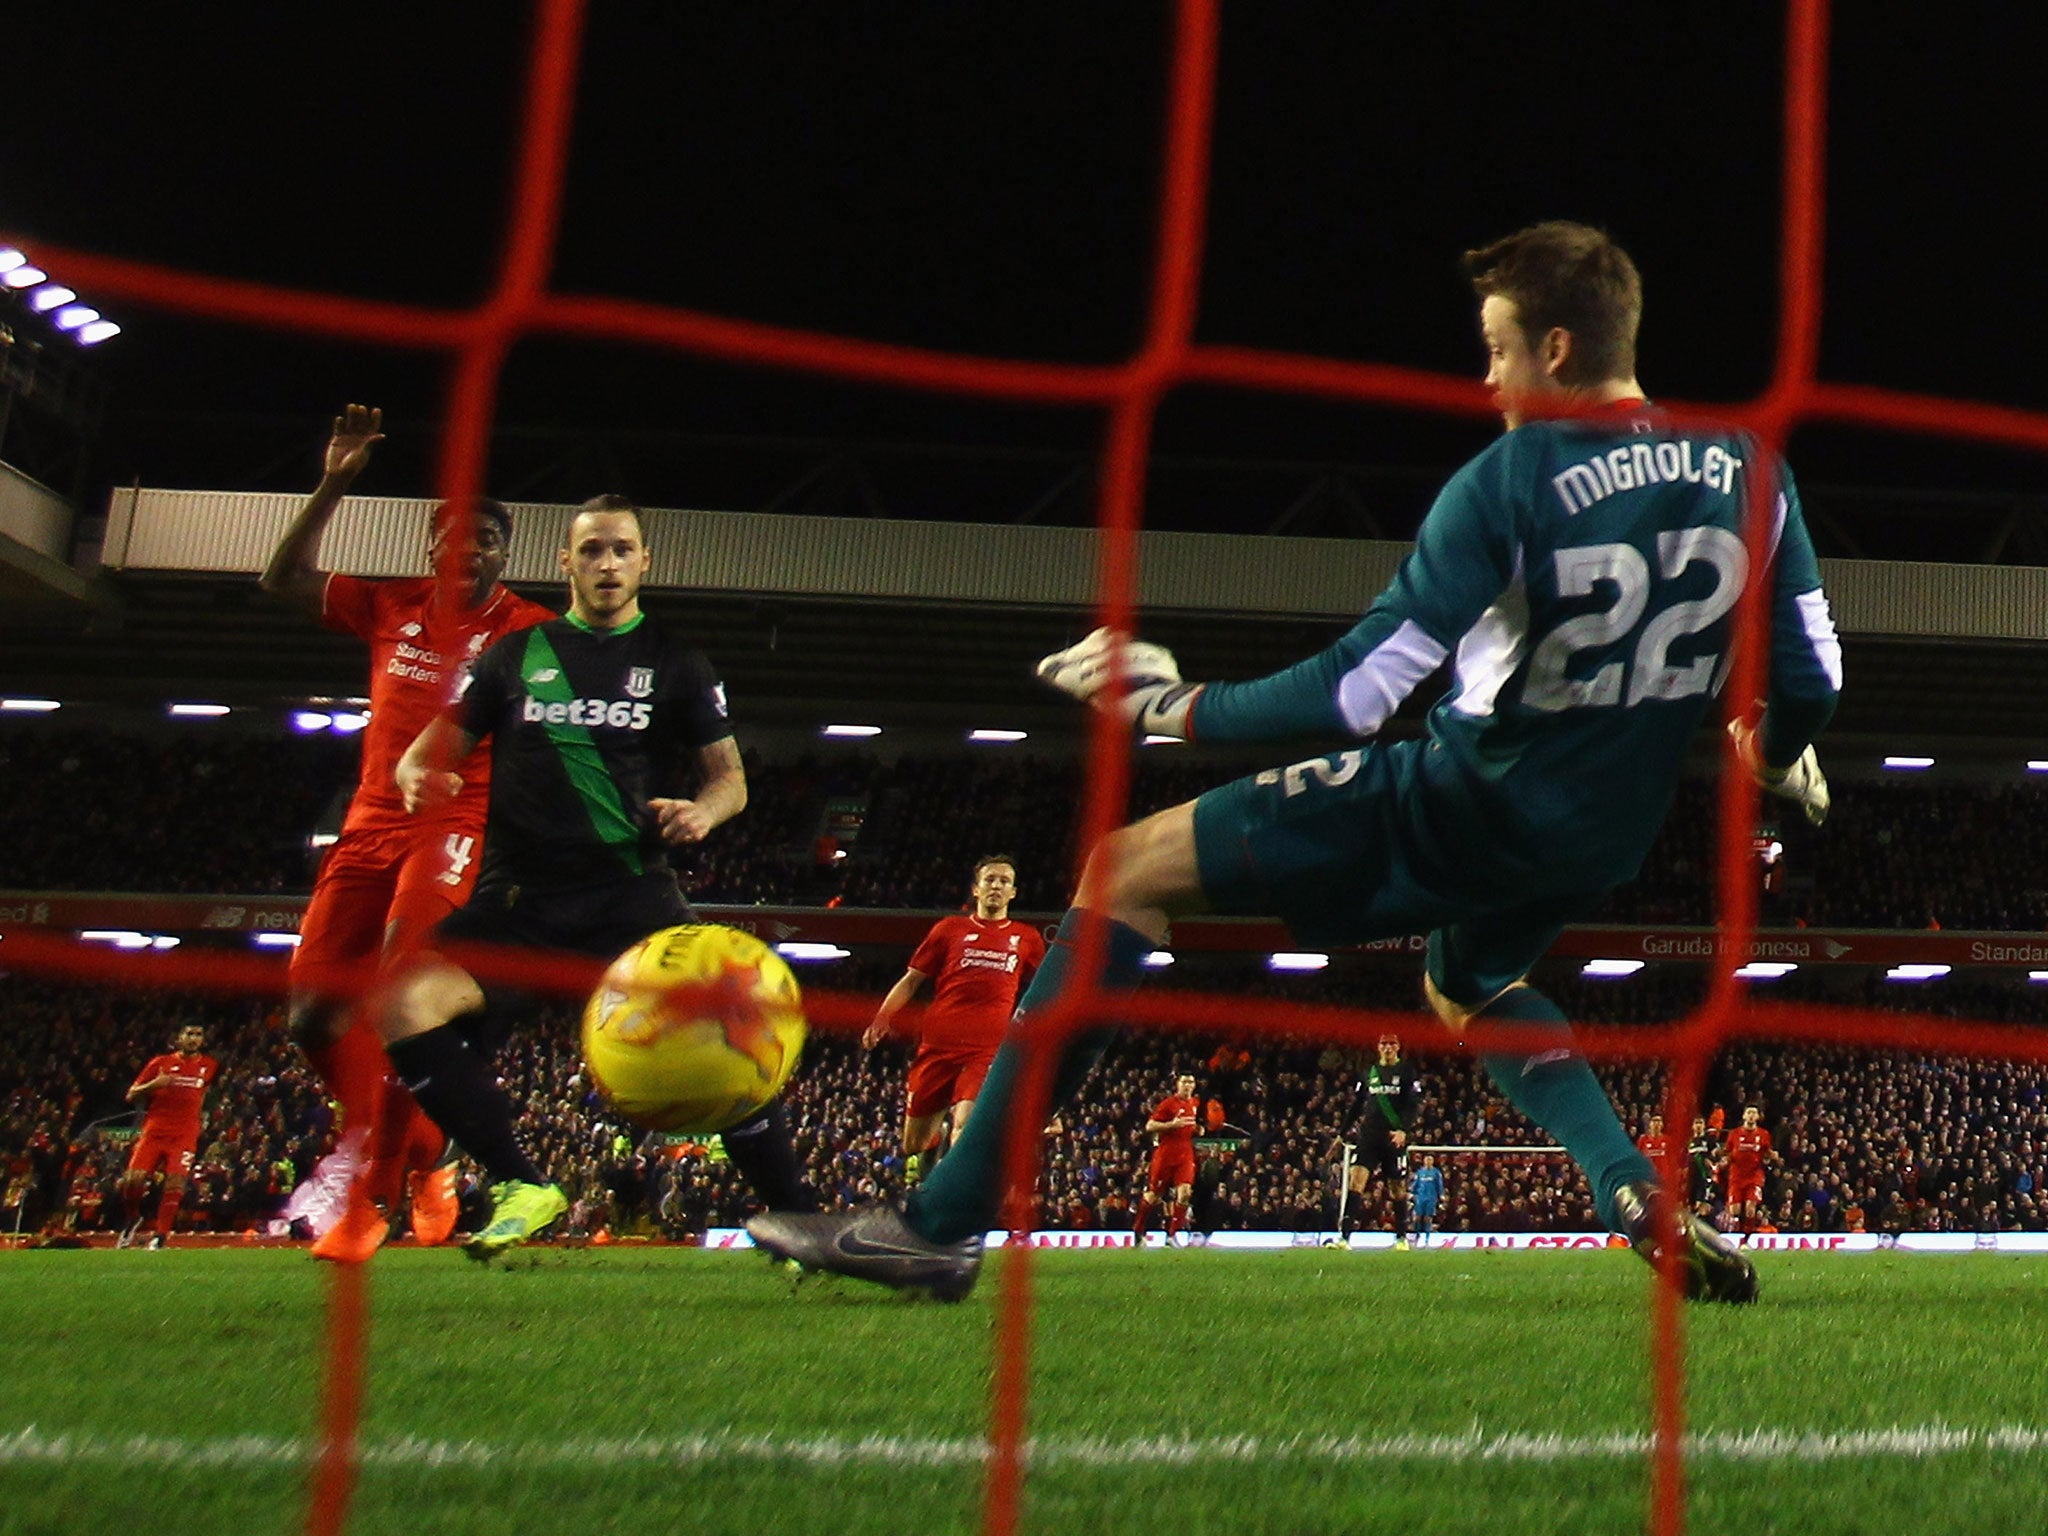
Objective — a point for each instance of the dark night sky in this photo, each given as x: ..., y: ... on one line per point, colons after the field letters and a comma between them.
x: 984, y: 177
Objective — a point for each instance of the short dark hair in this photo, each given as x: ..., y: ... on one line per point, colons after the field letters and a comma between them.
x: 483, y: 506
x: 609, y: 501
x: 992, y: 858
x: 1561, y: 274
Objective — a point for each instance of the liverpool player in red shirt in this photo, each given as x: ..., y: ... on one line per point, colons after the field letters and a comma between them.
x: 979, y: 966
x: 1173, y: 1160
x: 386, y: 882
x: 1653, y: 1143
x: 174, y: 1084
x: 1749, y: 1147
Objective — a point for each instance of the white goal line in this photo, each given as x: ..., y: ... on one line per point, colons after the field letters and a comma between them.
x: 34, y: 1447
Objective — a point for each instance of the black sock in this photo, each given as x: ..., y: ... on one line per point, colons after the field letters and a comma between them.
x: 761, y: 1149
x: 460, y: 1094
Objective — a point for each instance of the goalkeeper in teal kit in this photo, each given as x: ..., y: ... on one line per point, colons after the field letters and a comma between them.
x: 1582, y: 574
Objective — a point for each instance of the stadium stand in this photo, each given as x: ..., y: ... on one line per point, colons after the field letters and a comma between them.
x: 231, y: 814
x: 1915, y: 1142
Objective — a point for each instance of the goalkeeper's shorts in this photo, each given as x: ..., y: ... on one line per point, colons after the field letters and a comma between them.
x: 1341, y: 850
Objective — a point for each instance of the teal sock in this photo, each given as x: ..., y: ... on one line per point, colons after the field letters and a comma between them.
x: 1564, y: 1097
x: 961, y: 1196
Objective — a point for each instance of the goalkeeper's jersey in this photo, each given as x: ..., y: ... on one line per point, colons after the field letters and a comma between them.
x: 1583, y: 575
x: 586, y: 726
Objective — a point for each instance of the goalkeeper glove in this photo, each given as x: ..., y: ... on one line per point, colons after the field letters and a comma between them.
x: 1158, y: 701
x: 1803, y: 782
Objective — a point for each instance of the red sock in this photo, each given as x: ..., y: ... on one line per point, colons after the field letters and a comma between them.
x: 350, y: 1069
x: 425, y: 1142
x: 1176, y: 1219
x: 131, y: 1201
x: 401, y: 1138
x: 167, y: 1209
x: 1138, y: 1224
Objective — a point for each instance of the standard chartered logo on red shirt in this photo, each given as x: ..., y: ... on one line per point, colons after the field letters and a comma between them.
x: 987, y: 960
x: 620, y: 714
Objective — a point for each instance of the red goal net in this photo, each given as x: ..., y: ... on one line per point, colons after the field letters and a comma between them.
x: 1129, y: 394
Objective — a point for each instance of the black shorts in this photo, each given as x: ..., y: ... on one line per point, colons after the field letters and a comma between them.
x: 1379, y: 1153
x: 601, y: 921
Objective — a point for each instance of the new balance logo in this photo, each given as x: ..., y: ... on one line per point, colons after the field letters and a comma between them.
x: 545, y: 675
x: 409, y: 630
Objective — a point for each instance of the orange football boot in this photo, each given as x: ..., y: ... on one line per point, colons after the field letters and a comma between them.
x: 359, y: 1234
x: 433, y: 1205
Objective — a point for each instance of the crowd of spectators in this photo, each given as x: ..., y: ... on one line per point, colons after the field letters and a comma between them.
x: 231, y: 813
x: 1895, y: 1141
x: 193, y: 811
x: 1885, y: 1141
x: 67, y: 1056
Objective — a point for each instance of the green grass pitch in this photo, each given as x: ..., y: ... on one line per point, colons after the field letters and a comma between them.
x: 1192, y: 1392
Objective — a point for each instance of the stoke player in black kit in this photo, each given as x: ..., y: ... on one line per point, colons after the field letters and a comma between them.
x: 1388, y: 1100
x: 597, y: 720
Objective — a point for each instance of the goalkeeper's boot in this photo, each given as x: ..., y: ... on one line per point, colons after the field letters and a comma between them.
x: 873, y: 1243
x: 520, y: 1212
x: 913, y: 1170
x: 1715, y: 1269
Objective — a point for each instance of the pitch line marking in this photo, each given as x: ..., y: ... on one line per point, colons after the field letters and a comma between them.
x: 34, y: 1447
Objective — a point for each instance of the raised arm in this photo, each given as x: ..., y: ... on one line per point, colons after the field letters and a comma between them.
x: 1464, y: 558
x: 294, y: 573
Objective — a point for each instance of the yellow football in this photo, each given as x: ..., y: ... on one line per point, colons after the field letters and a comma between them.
x: 693, y: 1028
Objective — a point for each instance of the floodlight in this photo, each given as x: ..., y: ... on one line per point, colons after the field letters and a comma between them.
x: 1298, y: 960
x: 1916, y: 972
x: 803, y: 952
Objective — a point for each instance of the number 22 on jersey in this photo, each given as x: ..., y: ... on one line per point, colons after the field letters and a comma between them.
x: 1651, y: 674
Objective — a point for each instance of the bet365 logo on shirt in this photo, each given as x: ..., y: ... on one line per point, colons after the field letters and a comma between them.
x: 620, y: 714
